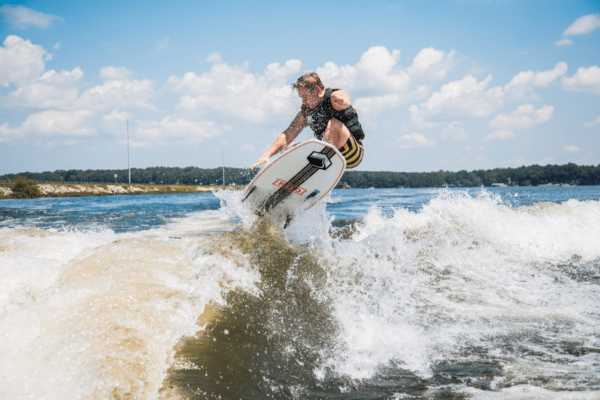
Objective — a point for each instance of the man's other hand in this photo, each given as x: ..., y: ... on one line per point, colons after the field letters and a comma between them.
x: 261, y: 161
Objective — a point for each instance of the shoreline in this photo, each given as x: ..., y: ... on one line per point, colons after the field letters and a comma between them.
x: 49, y: 190
x: 86, y: 190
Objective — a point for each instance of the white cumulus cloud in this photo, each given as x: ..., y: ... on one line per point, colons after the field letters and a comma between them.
x: 466, y: 97
x: 234, y: 92
x: 67, y: 110
x: 415, y: 140
x: 8, y: 134
x: 583, y: 25
x: 370, y: 107
x: 247, y: 147
x: 114, y: 73
x: 472, y: 97
x: 584, y: 80
x: 162, y: 44
x: 24, y: 17
x: 564, y: 42
x: 53, y: 123
x: 20, y: 61
x: 379, y: 83
x: 525, y: 116
x: 377, y: 71
x: 175, y: 130
x: 454, y: 131
x: 213, y: 57
x: 500, y: 135
x: 58, y: 90
x: 525, y: 81
x: 115, y: 115
x: 571, y: 149
x: 119, y: 93
x: 547, y: 160
x: 592, y: 123
x: 431, y: 64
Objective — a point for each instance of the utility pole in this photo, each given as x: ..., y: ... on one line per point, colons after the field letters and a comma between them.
x: 223, y: 166
x: 128, y: 165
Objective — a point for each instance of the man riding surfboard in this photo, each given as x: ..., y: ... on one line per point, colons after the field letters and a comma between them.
x: 329, y: 114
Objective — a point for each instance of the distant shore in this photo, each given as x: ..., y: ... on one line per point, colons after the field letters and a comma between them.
x: 534, y: 175
x: 83, y: 189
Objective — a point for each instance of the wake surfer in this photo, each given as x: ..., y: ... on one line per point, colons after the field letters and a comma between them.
x: 329, y: 114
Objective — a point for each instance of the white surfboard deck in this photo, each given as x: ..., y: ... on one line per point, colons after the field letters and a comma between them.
x: 299, y: 178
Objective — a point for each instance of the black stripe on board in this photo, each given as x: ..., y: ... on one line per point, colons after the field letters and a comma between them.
x: 305, y: 173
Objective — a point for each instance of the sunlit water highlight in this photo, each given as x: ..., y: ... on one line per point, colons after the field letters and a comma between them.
x: 399, y: 293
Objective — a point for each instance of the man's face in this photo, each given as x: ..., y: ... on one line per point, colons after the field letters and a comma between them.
x: 309, y: 98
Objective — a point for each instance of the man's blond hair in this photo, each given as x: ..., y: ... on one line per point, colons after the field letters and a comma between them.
x: 310, y: 80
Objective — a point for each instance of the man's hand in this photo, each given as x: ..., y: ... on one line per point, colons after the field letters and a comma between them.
x: 261, y: 161
x: 289, y: 146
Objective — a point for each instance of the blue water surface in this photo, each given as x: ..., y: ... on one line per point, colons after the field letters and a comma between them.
x: 355, y: 203
x: 141, y: 212
x: 119, y: 213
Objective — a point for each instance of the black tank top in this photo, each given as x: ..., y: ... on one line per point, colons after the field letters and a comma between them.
x: 318, y: 117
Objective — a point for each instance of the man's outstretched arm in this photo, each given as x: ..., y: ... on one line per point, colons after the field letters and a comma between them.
x: 284, y: 139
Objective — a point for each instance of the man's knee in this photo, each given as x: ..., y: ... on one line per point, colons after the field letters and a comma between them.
x: 336, y: 133
x: 334, y: 125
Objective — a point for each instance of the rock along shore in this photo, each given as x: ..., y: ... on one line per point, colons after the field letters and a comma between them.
x: 81, y: 190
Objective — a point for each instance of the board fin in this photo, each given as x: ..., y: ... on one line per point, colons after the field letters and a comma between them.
x: 313, y: 194
x: 249, y: 193
x: 288, y: 220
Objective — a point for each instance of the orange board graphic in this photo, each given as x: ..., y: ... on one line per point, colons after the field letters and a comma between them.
x: 288, y: 186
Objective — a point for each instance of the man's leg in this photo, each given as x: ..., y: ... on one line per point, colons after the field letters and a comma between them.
x: 336, y: 133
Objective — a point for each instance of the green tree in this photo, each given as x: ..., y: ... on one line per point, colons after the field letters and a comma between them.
x: 25, y: 188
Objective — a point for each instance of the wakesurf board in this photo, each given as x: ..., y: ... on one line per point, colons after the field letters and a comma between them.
x: 298, y: 179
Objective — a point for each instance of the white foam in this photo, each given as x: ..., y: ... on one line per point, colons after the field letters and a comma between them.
x: 463, y: 272
x: 31, y: 259
x: 97, y: 314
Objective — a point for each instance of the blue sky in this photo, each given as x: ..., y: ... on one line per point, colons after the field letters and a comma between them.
x: 437, y: 84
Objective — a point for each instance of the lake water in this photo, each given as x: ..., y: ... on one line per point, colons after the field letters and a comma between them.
x: 376, y: 294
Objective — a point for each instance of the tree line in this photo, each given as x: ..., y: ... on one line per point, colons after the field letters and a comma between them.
x: 522, y: 176
x: 154, y: 176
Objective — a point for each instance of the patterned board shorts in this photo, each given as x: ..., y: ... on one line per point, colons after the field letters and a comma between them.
x: 352, y: 152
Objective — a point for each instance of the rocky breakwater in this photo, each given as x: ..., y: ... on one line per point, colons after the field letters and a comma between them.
x: 14, y: 190
x: 49, y: 190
